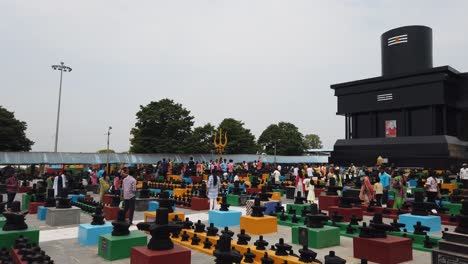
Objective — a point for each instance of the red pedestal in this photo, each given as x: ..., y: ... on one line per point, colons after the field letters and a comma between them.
x: 197, y: 179
x: 347, y: 213
x: 22, y: 189
x: 108, y: 198
x: 142, y: 255
x: 318, y: 192
x: 446, y: 220
x: 33, y: 207
x: 252, y: 190
x: 325, y: 201
x: 110, y: 213
x: 388, y: 250
x: 200, y: 204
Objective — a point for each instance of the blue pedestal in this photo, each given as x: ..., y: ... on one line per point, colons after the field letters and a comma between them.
x: 432, y: 221
x: 88, y: 235
x: 187, y: 180
x: 232, y: 186
x: 155, y: 190
x: 75, y: 197
x: 413, y: 183
x: 153, y: 206
x: 223, y: 219
x: 41, y: 213
x: 282, y: 178
x: 270, y: 206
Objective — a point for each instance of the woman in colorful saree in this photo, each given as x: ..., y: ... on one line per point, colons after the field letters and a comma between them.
x: 399, y: 186
x: 367, y: 191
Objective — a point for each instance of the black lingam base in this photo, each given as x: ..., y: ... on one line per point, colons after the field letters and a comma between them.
x: 195, y: 240
x: 228, y: 232
x: 199, y: 227
x: 98, y: 217
x: 202, y: 191
x: 350, y: 229
x: 211, y: 230
x: 336, y: 217
x: 236, y: 190
x: 144, y: 192
x: 160, y: 230
x: 314, y: 218
x: 294, y: 219
x: 419, y: 207
x: 260, y: 244
x: 283, y: 217
x: 427, y: 242
x: 279, y: 208
x: 187, y: 224
x: 397, y: 226
x: 263, y: 195
x: 266, y: 259
x: 257, y: 209
x: 307, y: 255
x: 331, y: 258
x: 165, y: 202
x: 243, y: 238
x: 224, y: 205
x: 207, y: 244
x: 224, y: 253
x: 63, y: 202
x: 15, y: 219
x: 249, y: 256
x: 282, y: 248
x: 299, y: 199
x: 420, y: 229
x: 463, y: 219
x: 378, y: 224
x: 120, y: 225
x: 185, y: 236
x: 115, y: 202
x: 354, y: 220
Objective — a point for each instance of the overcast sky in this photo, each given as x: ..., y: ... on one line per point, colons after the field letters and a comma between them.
x: 257, y: 61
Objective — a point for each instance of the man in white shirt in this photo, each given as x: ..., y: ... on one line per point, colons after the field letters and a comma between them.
x: 296, y: 171
x: 310, y: 172
x: 464, y: 175
x: 276, y: 176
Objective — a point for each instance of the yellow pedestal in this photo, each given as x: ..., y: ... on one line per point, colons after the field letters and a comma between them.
x: 139, y: 184
x: 275, y: 196
x: 259, y: 225
x: 175, y: 177
x: 151, y: 216
x: 449, y: 186
x: 179, y: 191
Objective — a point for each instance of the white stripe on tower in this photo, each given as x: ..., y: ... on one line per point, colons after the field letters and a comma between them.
x: 400, y: 36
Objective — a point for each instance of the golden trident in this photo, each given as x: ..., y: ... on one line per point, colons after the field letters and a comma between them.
x: 220, y: 145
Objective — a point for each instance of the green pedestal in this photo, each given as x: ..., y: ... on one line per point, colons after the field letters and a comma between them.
x: 119, y: 247
x: 418, y: 240
x: 327, y: 236
x: 2, y: 221
x: 413, y: 190
x: 25, y: 201
x: 453, y: 208
x: 298, y: 207
x: 232, y: 199
x: 160, y: 178
x: 280, y: 191
x: 7, y: 238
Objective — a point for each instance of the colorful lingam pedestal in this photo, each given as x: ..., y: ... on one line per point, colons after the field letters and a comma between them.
x: 33, y: 207
x: 151, y: 216
x: 347, y: 213
x: 224, y: 218
x: 325, y: 201
x: 389, y: 250
x: 41, y: 213
x: 257, y: 223
x: 200, y: 204
x: 63, y: 216
x: 15, y: 226
x: 431, y: 221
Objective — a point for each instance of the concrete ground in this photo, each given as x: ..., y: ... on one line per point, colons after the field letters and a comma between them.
x: 60, y: 243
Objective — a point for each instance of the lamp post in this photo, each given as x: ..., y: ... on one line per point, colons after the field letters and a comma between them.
x: 62, y: 68
x: 108, y: 137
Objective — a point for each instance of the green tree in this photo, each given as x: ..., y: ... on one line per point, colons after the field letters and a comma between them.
x: 240, y: 139
x: 105, y: 151
x: 161, y: 127
x: 12, y: 133
x: 201, y: 140
x: 286, y: 137
x: 312, y: 141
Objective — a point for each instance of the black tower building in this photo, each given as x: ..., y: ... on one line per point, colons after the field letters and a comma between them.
x: 413, y: 115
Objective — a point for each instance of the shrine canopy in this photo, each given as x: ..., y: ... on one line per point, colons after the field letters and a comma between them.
x: 27, y: 158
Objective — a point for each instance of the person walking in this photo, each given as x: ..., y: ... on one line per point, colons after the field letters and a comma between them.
x: 12, y: 184
x: 128, y: 193
x: 378, y: 189
x: 104, y: 186
x: 213, y: 188
x: 431, y: 188
x: 385, y: 181
x: 60, y: 183
x: 464, y: 176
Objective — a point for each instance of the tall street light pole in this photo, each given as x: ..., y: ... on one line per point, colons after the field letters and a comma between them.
x: 108, y: 137
x: 62, y: 68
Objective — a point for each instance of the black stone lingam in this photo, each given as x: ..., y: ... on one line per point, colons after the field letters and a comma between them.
x: 279, y: 208
x: 195, y: 240
x: 224, y: 205
x: 397, y: 226
x: 224, y: 253
x: 419, y: 208
x: 62, y: 200
x: 283, y: 217
x: 187, y: 224
x: 115, y: 202
x: 98, y: 217
x: 420, y: 229
x: 236, y: 190
x: 165, y: 202
x: 463, y: 219
x: 294, y: 219
x: 185, y: 236
x: 199, y: 227
x: 299, y: 199
x: 354, y: 220
x: 336, y: 217
x: 263, y: 195
x: 371, y: 232
x: 202, y: 191
x: 160, y: 230
x: 176, y: 220
x: 282, y: 248
x: 144, y: 192
x: 50, y: 201
x: 257, y: 208
x: 249, y: 256
x: 260, y: 244
x: 211, y: 230
x: 291, y: 211
x: 266, y: 259
x: 350, y: 229
x: 120, y: 226
x: 243, y: 238
x: 228, y: 232
x: 314, y: 218
x: 331, y: 258
x: 377, y: 223
x: 332, y: 189
x: 427, y: 242
x: 307, y: 255
x: 207, y: 244
x: 15, y: 219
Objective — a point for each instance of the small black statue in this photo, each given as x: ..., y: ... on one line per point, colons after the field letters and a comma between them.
x: 331, y: 258
x: 266, y: 259
x: 202, y: 191
x: 299, y: 199
x: 260, y: 243
x: 243, y: 238
x: 307, y: 255
x: 419, y: 207
x: 257, y: 209
x: 354, y: 220
x: 336, y: 217
x: 350, y: 229
x: 98, y: 217
x: 207, y: 244
x: 15, y: 219
x: 144, y: 192
x: 211, y: 230
x: 263, y: 195
x: 463, y: 218
x: 199, y: 227
x: 115, y: 202
x: 224, y: 205
x: 228, y: 232
x: 428, y: 243
x: 195, y: 240
x: 187, y: 224
x: 249, y: 256
x: 282, y: 248
x: 224, y: 253
x: 120, y: 225
x: 397, y: 226
x: 160, y: 230
x: 420, y: 229
x: 165, y: 201
x: 314, y: 218
x: 185, y: 236
x: 279, y: 208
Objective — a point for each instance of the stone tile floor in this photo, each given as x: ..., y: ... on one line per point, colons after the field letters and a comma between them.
x: 61, y: 242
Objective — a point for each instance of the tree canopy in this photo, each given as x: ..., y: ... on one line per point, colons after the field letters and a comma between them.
x: 162, y: 127
x: 13, y: 133
x: 312, y: 141
x: 240, y: 139
x: 201, y: 140
x: 105, y: 151
x: 285, y: 137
